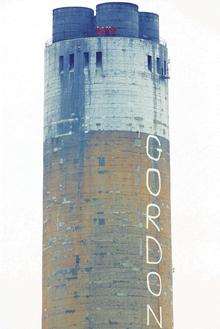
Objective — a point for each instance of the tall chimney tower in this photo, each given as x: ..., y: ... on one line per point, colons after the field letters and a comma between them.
x: 106, y: 233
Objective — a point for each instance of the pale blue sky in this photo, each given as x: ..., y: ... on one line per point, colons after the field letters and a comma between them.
x: 191, y: 29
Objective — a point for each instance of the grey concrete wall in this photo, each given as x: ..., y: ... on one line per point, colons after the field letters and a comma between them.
x: 122, y: 94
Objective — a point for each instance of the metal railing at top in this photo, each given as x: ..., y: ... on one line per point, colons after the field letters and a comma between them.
x: 49, y: 42
x: 163, y: 42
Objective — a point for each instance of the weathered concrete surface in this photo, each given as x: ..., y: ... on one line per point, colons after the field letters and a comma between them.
x: 121, y: 95
x: 94, y: 233
x: 97, y: 120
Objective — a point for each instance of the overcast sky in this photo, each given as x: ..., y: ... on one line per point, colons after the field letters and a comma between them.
x: 192, y: 30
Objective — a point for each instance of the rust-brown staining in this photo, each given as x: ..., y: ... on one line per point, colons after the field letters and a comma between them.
x: 95, y: 210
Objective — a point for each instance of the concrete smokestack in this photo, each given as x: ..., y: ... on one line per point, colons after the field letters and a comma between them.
x: 106, y: 234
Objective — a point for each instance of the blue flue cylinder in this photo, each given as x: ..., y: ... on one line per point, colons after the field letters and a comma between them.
x: 121, y: 15
x: 149, y: 26
x: 72, y: 22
